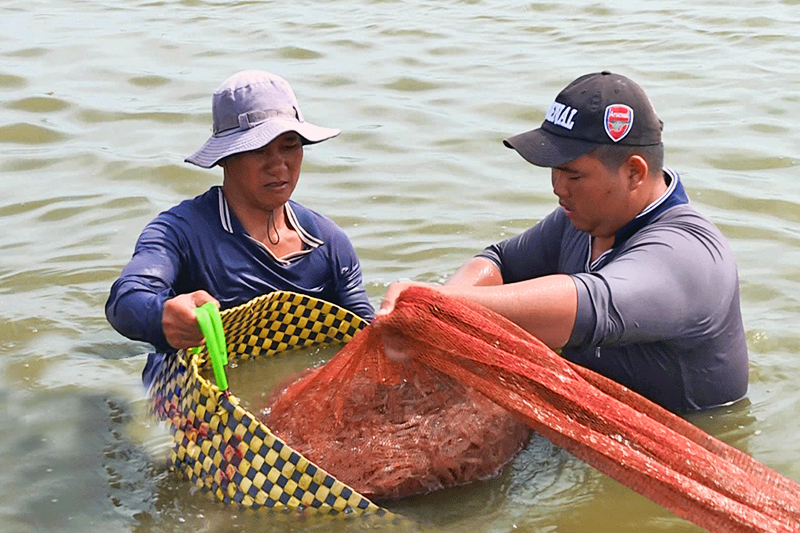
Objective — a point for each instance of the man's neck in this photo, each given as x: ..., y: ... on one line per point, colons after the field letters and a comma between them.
x: 601, y: 245
x: 660, y: 186
x: 654, y: 189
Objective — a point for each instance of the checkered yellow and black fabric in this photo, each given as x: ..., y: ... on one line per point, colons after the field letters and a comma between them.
x: 222, y: 447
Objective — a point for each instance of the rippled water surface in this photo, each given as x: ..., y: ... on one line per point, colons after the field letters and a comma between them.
x: 102, y: 99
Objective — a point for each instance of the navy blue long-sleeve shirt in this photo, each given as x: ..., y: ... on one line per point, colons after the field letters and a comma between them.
x: 200, y: 244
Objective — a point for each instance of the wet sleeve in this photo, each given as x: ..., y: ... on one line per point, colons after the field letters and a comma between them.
x: 670, y: 284
x: 136, y: 301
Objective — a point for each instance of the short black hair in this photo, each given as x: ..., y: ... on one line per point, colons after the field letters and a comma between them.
x: 612, y: 156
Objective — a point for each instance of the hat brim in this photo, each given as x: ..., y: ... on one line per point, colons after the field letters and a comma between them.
x: 218, y: 147
x: 545, y: 149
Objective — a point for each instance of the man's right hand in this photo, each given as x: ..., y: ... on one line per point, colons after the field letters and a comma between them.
x: 392, y: 345
x: 179, y: 321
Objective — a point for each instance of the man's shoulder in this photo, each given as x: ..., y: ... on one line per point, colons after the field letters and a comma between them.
x: 687, y: 233
x: 556, y: 221
x: 557, y: 228
x: 189, y: 217
x: 201, y: 203
x: 191, y: 210
x: 315, y: 223
x: 680, y: 210
x: 686, y: 217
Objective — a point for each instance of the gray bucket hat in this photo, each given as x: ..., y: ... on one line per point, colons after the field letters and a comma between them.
x: 250, y: 109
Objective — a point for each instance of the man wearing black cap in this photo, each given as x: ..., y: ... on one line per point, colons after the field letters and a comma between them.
x: 625, y: 277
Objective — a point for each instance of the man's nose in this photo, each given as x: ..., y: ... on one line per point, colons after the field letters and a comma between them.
x: 558, y: 185
x: 272, y: 158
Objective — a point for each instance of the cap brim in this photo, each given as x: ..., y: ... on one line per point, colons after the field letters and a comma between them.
x: 545, y: 149
x: 218, y: 147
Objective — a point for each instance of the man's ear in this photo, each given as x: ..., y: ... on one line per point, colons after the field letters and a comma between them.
x: 636, y: 170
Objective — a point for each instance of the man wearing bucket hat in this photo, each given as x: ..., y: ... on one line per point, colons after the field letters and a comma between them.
x: 625, y: 277
x: 243, y: 239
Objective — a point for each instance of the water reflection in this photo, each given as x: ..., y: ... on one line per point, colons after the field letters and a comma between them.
x: 102, y: 102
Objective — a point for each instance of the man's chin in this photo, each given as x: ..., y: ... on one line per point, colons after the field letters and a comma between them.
x: 577, y: 225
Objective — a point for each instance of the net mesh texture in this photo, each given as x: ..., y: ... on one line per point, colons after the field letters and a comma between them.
x: 393, y: 429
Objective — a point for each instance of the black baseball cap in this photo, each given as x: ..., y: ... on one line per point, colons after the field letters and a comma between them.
x: 595, y: 109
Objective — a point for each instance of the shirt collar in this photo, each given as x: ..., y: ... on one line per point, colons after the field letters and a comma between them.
x: 231, y: 224
x: 224, y: 212
x: 674, y: 195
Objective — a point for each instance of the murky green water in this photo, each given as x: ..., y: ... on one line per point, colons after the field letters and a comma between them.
x: 102, y: 99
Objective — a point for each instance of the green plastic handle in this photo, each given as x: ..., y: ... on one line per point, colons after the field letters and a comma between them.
x: 211, y: 325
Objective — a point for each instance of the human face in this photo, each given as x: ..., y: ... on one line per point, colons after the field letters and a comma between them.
x: 596, y: 200
x: 265, y: 178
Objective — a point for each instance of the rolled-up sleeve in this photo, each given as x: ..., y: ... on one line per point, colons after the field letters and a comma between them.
x: 667, y: 284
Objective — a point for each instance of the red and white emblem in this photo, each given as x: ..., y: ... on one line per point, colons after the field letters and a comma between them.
x: 619, y: 121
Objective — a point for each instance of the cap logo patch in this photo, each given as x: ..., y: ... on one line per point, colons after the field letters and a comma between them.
x: 561, y: 115
x: 618, y: 122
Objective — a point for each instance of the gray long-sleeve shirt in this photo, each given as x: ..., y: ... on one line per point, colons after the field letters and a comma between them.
x: 659, y: 312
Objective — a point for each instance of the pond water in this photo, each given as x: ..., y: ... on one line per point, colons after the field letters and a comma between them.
x: 102, y: 100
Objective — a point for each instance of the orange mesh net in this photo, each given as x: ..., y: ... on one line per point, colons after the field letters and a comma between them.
x: 622, y: 434
x: 389, y: 430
